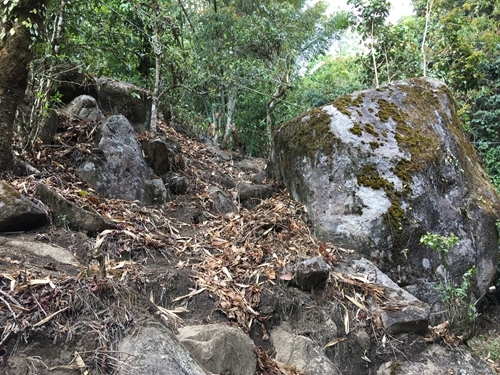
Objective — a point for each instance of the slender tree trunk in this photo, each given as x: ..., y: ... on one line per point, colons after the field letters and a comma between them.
x: 15, y: 56
x: 428, y: 10
x: 231, y: 106
x: 58, y: 23
x: 372, y: 45
x: 279, y: 93
x: 156, y: 90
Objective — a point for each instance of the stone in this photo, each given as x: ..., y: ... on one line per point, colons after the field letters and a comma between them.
x: 155, y: 192
x: 259, y: 178
x: 363, y: 339
x: 301, y: 352
x: 223, y: 202
x: 121, y: 98
x: 39, y: 250
x: 163, y: 155
x: 403, y: 312
x: 436, y: 360
x: 121, y: 171
x: 250, y: 195
x: 220, y: 349
x: 18, y: 213
x: 83, y: 107
x: 250, y: 165
x: 66, y: 213
x: 176, y: 183
x: 379, y: 168
x: 155, y: 350
x: 311, y: 273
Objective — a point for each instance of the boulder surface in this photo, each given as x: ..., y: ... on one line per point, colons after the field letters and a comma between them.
x: 379, y: 168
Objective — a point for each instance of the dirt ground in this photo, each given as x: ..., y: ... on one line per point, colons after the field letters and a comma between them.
x: 181, y: 263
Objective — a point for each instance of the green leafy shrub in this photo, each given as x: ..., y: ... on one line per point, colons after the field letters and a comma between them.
x: 460, y: 312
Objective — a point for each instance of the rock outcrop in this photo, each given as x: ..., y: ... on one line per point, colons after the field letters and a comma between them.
x: 121, y: 171
x: 65, y: 213
x: 121, y: 98
x: 18, y: 213
x: 220, y: 349
x: 379, y: 168
x: 155, y: 350
x: 84, y: 107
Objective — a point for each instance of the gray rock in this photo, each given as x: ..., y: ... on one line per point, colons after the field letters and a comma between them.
x: 311, y: 273
x: 177, y: 184
x: 250, y: 165
x: 250, y: 195
x: 121, y: 98
x: 223, y: 203
x: 121, y: 171
x: 404, y: 312
x: 163, y: 155
x: 220, y: 349
x: 301, y: 352
x: 41, y: 250
x: 18, y: 213
x: 363, y: 339
x: 155, y: 350
x: 67, y: 213
x: 379, y: 168
x: 84, y: 107
x: 155, y: 192
x: 259, y: 178
x: 436, y: 360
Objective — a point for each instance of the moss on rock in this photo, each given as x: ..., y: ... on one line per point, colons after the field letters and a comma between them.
x: 309, y: 134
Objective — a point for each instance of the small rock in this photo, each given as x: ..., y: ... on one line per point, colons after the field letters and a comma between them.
x: 18, y: 213
x: 155, y: 192
x: 301, y: 352
x: 155, y: 350
x: 363, y: 339
x: 68, y: 213
x: 409, y: 313
x: 311, y: 273
x: 223, y: 203
x: 220, y: 349
x: 250, y: 165
x: 84, y: 107
x: 164, y: 155
x: 249, y: 195
x: 259, y: 178
x: 177, y: 184
x: 436, y: 360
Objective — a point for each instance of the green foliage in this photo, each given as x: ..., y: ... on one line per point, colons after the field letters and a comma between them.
x: 326, y: 79
x: 460, y: 313
x: 441, y: 244
x: 486, y: 347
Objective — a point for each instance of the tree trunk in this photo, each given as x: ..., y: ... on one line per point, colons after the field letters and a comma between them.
x: 157, y: 48
x: 231, y: 106
x: 428, y: 9
x: 280, y: 92
x: 374, y: 60
x: 15, y: 56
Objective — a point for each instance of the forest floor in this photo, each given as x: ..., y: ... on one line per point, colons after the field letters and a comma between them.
x: 190, y: 265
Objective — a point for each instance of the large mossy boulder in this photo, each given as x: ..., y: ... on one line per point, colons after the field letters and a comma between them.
x: 379, y: 168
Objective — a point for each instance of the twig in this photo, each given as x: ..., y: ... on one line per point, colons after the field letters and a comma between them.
x: 10, y: 309
x: 11, y: 298
x: 45, y: 320
x: 12, y: 328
